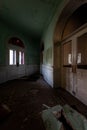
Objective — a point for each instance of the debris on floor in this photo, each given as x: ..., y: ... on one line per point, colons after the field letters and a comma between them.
x: 31, y: 78
x: 50, y: 121
x: 4, y: 111
x: 74, y: 118
x: 25, y: 99
x: 63, y: 118
x: 34, y: 91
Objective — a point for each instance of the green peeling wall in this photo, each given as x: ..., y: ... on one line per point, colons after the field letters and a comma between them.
x: 31, y: 47
x: 33, y: 52
x: 49, y: 33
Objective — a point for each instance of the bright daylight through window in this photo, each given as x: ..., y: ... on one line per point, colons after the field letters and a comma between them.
x: 21, y: 58
x: 12, y: 57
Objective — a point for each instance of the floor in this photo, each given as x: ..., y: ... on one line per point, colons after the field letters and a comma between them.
x: 25, y: 98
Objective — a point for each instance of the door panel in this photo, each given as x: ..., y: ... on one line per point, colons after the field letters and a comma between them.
x: 67, y: 75
x: 74, y: 65
x: 82, y: 50
x: 67, y: 56
x: 82, y: 68
x: 69, y: 66
x: 74, y: 58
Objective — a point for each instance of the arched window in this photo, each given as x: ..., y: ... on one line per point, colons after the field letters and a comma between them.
x: 16, y: 41
x: 76, y: 20
x: 16, y: 51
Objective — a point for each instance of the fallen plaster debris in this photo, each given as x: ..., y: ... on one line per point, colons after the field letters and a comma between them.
x: 50, y: 121
x: 74, y: 118
x: 63, y: 118
x: 4, y: 111
x: 46, y: 106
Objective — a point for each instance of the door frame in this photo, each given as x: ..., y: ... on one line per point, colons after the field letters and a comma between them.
x: 72, y: 37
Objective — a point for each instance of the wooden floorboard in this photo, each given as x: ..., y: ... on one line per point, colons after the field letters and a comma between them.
x: 26, y: 97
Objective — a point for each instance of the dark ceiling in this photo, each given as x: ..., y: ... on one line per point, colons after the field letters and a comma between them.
x: 28, y: 16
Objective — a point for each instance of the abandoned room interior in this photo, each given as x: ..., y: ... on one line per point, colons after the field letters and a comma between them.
x: 43, y: 64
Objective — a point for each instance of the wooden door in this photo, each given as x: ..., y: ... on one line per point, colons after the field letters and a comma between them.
x: 69, y: 79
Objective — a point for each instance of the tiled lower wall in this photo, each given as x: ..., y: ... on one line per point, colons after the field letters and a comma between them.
x: 13, y: 72
x: 47, y: 72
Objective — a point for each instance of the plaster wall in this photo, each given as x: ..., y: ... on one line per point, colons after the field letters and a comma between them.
x: 9, y: 72
x: 48, y: 54
x: 47, y: 72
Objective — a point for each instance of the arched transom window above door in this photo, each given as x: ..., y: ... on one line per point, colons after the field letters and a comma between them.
x: 16, y: 51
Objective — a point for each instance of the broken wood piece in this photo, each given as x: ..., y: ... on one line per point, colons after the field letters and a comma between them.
x: 4, y: 111
x: 46, y: 106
